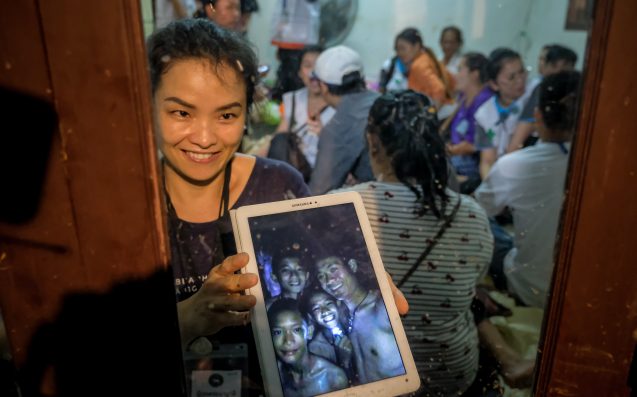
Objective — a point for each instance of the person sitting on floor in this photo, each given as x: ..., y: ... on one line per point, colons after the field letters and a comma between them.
x: 531, y: 181
x: 341, y: 148
x: 305, y: 112
x: 498, y: 117
x: 465, y: 157
x: 554, y: 58
x: 407, y: 205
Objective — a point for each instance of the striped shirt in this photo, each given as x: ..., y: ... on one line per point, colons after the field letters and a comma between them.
x: 440, y: 328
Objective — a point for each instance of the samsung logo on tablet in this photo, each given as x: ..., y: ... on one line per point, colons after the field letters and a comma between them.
x: 304, y: 203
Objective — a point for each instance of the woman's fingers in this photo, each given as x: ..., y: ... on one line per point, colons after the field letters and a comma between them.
x: 231, y: 284
x: 222, y: 279
x: 230, y: 319
x: 401, y: 303
x: 230, y: 265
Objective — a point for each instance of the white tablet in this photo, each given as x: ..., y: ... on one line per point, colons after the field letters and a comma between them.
x: 325, y: 320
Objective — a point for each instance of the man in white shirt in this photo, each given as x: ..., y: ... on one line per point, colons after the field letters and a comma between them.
x: 531, y: 183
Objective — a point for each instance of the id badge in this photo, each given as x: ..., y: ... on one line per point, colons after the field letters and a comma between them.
x: 217, y: 371
x: 216, y: 383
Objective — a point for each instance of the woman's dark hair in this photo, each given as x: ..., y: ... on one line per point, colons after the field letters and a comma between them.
x: 311, y: 48
x: 410, y: 35
x: 476, y: 61
x: 407, y: 125
x: 201, y: 39
x: 558, y: 98
x: 456, y: 30
x: 497, y: 58
x: 249, y: 6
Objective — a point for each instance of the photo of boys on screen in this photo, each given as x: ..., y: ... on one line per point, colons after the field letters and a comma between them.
x: 325, y: 308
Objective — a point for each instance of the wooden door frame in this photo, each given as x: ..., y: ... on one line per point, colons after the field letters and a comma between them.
x: 553, y: 377
x: 587, y: 346
x: 86, y: 278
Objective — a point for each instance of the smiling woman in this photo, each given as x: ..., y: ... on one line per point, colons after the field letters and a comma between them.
x: 200, y: 132
x: 108, y: 219
x: 203, y: 80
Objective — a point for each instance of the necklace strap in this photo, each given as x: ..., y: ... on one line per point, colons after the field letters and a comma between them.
x: 431, y: 245
x: 350, y: 321
x: 225, y: 191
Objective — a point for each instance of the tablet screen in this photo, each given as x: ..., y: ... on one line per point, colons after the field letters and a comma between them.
x: 328, y: 321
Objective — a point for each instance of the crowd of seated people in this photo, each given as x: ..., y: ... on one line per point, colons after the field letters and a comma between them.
x: 495, y: 113
x: 464, y: 113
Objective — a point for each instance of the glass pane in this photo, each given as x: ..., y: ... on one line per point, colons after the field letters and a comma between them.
x: 499, y: 76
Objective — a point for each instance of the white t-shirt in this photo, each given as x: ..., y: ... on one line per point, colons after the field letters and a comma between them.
x: 309, y: 140
x: 453, y: 64
x: 397, y: 81
x: 497, y: 123
x: 530, y: 182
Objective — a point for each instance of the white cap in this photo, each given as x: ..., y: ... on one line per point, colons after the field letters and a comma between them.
x: 336, y: 62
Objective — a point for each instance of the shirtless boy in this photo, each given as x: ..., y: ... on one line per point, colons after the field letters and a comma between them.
x: 376, y: 353
x: 290, y: 273
x: 330, y: 340
x: 302, y: 373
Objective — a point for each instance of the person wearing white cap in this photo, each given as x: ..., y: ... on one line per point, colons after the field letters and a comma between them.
x: 342, y: 149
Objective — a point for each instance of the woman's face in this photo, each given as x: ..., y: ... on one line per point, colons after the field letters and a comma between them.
x: 227, y: 14
x: 305, y: 72
x: 200, y: 111
x: 465, y: 78
x: 511, y: 81
x: 541, y: 62
x: 449, y: 43
x: 406, y: 51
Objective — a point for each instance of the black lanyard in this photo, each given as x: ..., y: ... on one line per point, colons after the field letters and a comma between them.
x: 180, y: 252
x: 562, y: 147
x: 431, y: 245
x: 225, y: 191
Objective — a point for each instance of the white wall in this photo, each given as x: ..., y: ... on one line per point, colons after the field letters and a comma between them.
x: 524, y: 25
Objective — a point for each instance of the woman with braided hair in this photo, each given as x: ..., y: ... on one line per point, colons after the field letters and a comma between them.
x: 435, y: 243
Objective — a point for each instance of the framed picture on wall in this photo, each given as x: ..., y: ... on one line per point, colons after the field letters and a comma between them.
x: 578, y: 15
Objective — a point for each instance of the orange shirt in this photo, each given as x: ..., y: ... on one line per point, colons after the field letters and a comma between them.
x: 424, y: 78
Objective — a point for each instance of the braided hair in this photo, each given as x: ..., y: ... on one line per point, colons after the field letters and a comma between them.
x: 406, y: 124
